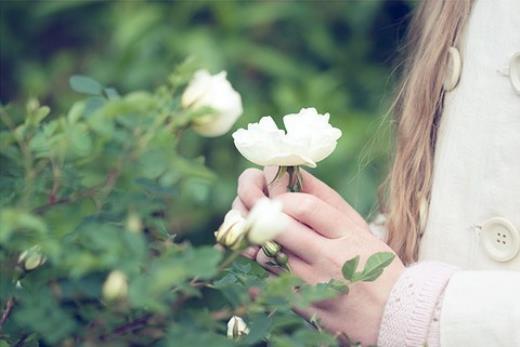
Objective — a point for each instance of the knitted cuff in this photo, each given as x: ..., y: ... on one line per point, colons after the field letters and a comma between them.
x: 410, y: 308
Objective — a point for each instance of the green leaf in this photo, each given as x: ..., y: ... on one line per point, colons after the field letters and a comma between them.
x: 85, y: 85
x: 12, y: 220
x: 259, y: 328
x: 349, y: 268
x: 112, y: 94
x: 184, y: 336
x: 40, y: 312
x: 375, y: 265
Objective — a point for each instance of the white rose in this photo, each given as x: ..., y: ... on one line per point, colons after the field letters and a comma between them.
x: 236, y: 327
x: 231, y: 232
x: 309, y: 139
x: 215, y: 92
x: 265, y: 221
x: 115, y: 286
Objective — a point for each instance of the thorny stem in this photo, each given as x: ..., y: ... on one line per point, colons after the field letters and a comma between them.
x: 295, y: 179
x: 8, y: 308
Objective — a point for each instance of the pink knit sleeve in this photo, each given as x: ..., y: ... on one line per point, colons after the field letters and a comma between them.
x: 411, y: 316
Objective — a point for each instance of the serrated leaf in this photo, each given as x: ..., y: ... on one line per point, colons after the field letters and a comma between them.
x: 85, y: 85
x: 375, y: 265
x: 349, y: 268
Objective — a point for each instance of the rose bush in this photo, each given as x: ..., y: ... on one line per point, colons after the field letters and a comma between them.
x: 92, y: 247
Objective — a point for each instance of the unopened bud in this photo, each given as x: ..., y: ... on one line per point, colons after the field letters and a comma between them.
x: 31, y: 258
x: 134, y: 223
x: 271, y: 248
x: 236, y: 327
x: 231, y: 232
x: 281, y: 258
x: 115, y: 286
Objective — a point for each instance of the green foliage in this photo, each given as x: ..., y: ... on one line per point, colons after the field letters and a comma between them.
x: 110, y: 178
x: 86, y: 85
x: 87, y: 245
x: 374, y: 267
x: 349, y: 268
x: 280, y: 55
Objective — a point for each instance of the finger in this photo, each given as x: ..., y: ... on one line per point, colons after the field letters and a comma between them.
x: 310, y: 313
x: 239, y: 206
x: 251, y: 187
x: 278, y: 186
x: 300, y: 240
x: 317, y: 214
x: 313, y: 186
x: 251, y: 252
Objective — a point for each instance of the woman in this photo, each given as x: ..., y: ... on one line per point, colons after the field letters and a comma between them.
x: 453, y: 195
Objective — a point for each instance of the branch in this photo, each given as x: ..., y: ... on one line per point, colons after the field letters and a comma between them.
x: 128, y: 327
x: 90, y: 192
x: 8, y: 308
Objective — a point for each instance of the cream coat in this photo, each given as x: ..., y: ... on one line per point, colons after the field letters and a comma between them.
x: 477, y: 177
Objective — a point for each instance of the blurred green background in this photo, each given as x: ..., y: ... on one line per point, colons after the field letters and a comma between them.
x: 337, y: 56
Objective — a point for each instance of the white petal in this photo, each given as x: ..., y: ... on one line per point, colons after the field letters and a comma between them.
x: 265, y: 221
x: 261, y: 142
x: 312, y: 129
x: 215, y: 92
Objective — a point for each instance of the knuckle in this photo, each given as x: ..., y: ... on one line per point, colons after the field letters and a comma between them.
x: 304, y: 204
x: 236, y: 203
x: 247, y: 174
x: 246, y: 178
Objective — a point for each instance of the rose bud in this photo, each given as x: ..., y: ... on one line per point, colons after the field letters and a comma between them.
x: 236, y: 327
x: 115, y: 286
x: 216, y: 93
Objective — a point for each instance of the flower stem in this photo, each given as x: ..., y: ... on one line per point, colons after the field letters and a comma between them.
x: 295, y: 179
x: 230, y: 259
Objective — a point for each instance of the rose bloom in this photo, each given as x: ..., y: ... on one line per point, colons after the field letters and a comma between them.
x: 309, y: 139
x: 215, y: 92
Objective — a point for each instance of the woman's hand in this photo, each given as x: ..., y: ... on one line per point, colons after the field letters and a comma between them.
x: 324, y: 231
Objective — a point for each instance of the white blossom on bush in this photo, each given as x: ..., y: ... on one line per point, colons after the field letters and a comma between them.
x: 231, y: 232
x: 115, y: 286
x: 236, y: 327
x: 31, y: 258
x: 309, y: 139
x: 215, y: 92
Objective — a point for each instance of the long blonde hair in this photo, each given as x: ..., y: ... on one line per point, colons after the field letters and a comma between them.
x: 436, y: 25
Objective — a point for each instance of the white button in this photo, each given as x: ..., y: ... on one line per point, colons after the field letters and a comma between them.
x: 500, y: 239
x: 514, y: 72
x: 453, y: 70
